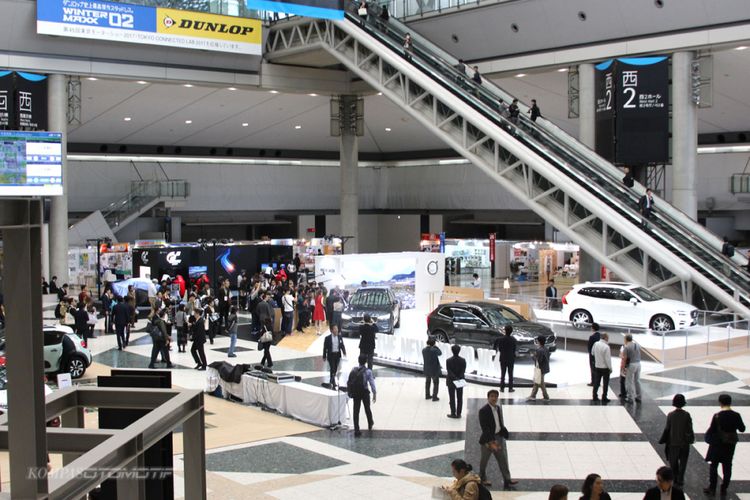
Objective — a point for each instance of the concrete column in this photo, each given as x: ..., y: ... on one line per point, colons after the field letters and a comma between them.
x: 58, y: 218
x: 45, y: 253
x: 349, y: 145
x: 586, y: 105
x: 684, y: 136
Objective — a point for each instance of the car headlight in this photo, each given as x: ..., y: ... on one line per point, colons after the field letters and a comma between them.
x: 384, y: 317
x: 346, y: 316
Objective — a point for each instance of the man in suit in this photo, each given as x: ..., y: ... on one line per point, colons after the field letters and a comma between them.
x: 431, y: 366
x: 678, y: 437
x: 367, y: 332
x: 493, y: 439
x: 506, y: 348
x: 551, y: 293
x: 225, y: 301
x: 593, y: 339
x: 455, y: 366
x: 264, y: 311
x: 664, y: 489
x: 646, y: 205
x: 722, y: 440
x: 121, y: 319
x: 333, y: 349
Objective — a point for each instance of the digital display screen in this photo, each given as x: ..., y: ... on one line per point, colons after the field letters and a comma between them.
x: 30, y: 163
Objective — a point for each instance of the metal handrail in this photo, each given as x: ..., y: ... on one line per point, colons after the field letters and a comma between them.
x: 141, y: 193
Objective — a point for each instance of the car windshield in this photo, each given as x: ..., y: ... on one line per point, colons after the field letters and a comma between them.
x: 645, y: 294
x: 370, y: 299
x: 501, y: 317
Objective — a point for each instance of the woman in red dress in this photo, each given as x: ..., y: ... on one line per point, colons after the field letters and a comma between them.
x: 319, y: 313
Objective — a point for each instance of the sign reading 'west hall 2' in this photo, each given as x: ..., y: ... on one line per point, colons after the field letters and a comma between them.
x: 148, y: 25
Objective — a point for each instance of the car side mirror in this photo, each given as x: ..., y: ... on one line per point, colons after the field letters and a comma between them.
x: 633, y: 301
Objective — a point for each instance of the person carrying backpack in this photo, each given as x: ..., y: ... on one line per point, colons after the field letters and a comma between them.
x: 160, y: 337
x: 468, y: 485
x: 356, y: 388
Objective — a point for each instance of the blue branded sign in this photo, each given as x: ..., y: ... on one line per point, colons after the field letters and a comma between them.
x: 97, y: 14
x: 442, y: 242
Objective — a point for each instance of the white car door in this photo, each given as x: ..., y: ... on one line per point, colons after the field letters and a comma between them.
x: 635, y: 312
x: 53, y: 350
x: 610, y: 310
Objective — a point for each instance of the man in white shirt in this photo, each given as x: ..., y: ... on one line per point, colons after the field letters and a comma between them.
x: 602, y: 367
x: 333, y: 349
x: 477, y: 281
x: 287, y: 303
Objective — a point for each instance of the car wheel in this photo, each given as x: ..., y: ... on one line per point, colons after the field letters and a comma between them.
x: 440, y: 336
x: 77, y: 366
x: 581, y: 319
x: 661, y: 323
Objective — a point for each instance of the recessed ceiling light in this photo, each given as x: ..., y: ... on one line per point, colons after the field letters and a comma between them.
x: 188, y: 85
x: 520, y: 75
x: 387, y: 129
x: 142, y: 82
x: 742, y: 47
x: 188, y: 122
x: 232, y: 88
x: 92, y: 79
x: 298, y: 127
x: 245, y: 124
x: 380, y: 93
x: 127, y: 118
x: 562, y: 70
x: 274, y: 91
x: 313, y: 95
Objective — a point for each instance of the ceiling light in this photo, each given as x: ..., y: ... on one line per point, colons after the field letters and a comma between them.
x: 188, y: 122
x: 742, y: 47
x: 92, y: 79
x: 188, y: 85
x: 245, y: 124
x: 232, y: 88
x: 127, y: 118
x: 142, y: 82
x: 457, y: 161
x: 387, y: 129
x: 298, y: 127
x: 740, y: 148
x: 562, y: 70
x: 274, y: 91
x: 380, y: 93
x: 313, y: 95
x: 520, y: 75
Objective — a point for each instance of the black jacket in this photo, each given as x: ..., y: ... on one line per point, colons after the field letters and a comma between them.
x: 679, y: 429
x: 593, y: 339
x: 328, y: 346
x: 367, y: 338
x: 225, y: 298
x: 430, y: 355
x: 550, y: 291
x: 198, y: 332
x: 456, y: 368
x: 82, y: 319
x: 506, y: 346
x: 121, y: 314
x: 541, y: 357
x: 264, y: 312
x: 655, y: 494
x: 487, y: 423
x: 728, y: 421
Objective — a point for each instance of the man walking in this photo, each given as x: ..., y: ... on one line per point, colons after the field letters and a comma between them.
x: 505, y: 346
x: 593, y: 339
x: 367, y: 332
x: 160, y: 338
x: 455, y: 366
x: 107, y: 300
x: 333, y: 349
x: 357, y: 388
x: 678, y: 437
x: 602, y: 367
x: 722, y: 440
x: 431, y: 366
x: 493, y: 439
x: 541, y: 368
x: 121, y: 319
x: 633, y: 374
x: 665, y: 488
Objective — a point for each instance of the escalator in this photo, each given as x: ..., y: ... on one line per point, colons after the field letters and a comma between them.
x: 556, y: 176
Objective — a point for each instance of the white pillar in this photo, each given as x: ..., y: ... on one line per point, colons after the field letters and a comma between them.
x: 58, y: 219
x: 586, y: 106
x: 684, y: 136
x: 349, y: 146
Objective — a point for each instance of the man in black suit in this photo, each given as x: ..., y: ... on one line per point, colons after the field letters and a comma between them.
x: 664, y: 488
x: 551, y: 293
x: 455, y: 366
x: 593, y: 339
x: 646, y: 205
x: 367, y: 332
x: 506, y: 348
x: 121, y: 319
x: 722, y: 440
x: 82, y: 319
x: 333, y: 349
x: 225, y: 301
x: 431, y: 368
x: 493, y: 439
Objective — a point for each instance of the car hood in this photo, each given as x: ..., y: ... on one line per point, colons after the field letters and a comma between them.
x: 358, y: 309
x: 531, y: 329
x: 674, y: 305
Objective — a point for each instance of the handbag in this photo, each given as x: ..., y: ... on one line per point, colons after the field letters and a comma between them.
x: 362, y: 11
x: 266, y: 337
x: 537, y: 375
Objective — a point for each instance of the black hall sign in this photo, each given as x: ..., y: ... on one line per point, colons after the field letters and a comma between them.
x: 632, y: 110
x: 23, y: 101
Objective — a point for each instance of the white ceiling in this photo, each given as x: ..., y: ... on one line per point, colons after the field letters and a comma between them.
x: 158, y: 113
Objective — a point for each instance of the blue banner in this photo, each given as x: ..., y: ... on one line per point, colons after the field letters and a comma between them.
x: 323, y: 9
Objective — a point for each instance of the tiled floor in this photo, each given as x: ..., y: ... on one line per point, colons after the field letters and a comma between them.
x: 255, y: 454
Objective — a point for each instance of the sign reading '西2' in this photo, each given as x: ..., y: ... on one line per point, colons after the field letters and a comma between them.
x: 119, y: 22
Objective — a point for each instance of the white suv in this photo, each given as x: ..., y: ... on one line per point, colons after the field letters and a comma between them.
x: 625, y: 304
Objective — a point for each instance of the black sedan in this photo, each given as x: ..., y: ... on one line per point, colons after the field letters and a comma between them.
x: 379, y: 302
x: 479, y: 324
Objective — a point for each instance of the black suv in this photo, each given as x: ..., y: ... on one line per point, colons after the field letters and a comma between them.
x: 480, y: 323
x: 379, y: 303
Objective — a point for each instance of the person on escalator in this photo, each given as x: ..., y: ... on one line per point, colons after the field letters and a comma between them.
x: 408, y: 46
x: 513, y: 111
x: 646, y: 205
x: 534, y: 111
x: 628, y: 180
x: 384, y: 17
x: 362, y: 11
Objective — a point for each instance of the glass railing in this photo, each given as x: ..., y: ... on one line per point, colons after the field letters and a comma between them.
x: 740, y: 183
x: 141, y: 193
x: 418, y: 8
x: 605, y: 184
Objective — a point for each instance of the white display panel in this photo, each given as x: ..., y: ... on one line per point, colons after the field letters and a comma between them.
x: 30, y: 163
